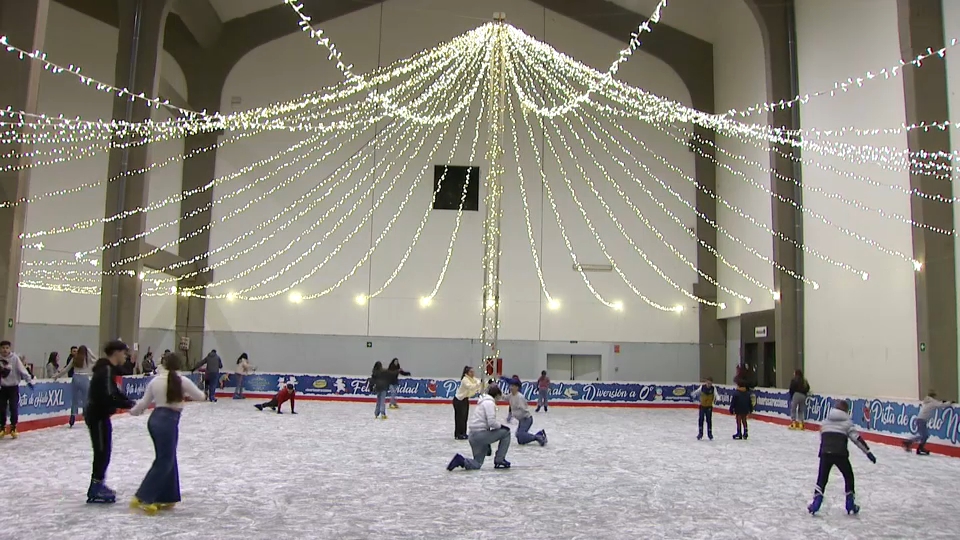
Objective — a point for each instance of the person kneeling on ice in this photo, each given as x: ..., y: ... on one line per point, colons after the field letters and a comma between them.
x: 485, y: 430
x: 521, y: 411
x: 834, y: 432
x: 929, y: 406
x: 288, y: 392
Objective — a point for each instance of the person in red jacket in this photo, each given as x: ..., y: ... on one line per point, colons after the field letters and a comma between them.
x: 288, y: 392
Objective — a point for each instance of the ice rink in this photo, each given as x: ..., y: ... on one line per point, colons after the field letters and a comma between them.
x: 332, y: 471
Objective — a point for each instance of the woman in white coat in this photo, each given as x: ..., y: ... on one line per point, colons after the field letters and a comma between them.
x: 243, y: 369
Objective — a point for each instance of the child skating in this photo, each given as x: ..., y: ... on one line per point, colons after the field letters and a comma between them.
x: 287, y: 393
x: 707, y: 395
x: 834, y: 433
x: 741, y: 406
x: 928, y: 407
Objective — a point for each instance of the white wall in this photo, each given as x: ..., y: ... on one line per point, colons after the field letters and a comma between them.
x: 860, y: 335
x: 740, y: 77
x: 951, y: 30
x: 63, y: 94
x: 290, y: 66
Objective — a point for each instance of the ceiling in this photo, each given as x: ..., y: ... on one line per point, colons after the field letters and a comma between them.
x: 231, y: 9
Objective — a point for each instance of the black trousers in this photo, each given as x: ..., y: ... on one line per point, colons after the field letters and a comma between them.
x: 9, y: 401
x: 706, y: 414
x: 461, y: 409
x: 827, y: 462
x: 101, y: 435
x: 272, y: 404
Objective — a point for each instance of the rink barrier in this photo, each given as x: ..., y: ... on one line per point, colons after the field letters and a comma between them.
x: 881, y: 420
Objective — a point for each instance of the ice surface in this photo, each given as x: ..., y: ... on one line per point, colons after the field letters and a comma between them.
x: 334, y: 472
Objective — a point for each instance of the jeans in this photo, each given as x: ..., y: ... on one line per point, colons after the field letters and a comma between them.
x: 523, y: 431
x: 544, y: 398
x: 9, y: 401
x: 706, y: 414
x: 393, y: 394
x: 212, y: 382
x: 162, y: 482
x: 79, y: 388
x: 827, y: 461
x: 923, y: 432
x: 381, y: 404
x: 238, y: 392
x: 101, y: 437
x: 480, y: 442
x: 798, y: 407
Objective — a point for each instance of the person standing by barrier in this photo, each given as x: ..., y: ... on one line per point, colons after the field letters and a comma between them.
x: 105, y: 399
x: 741, y: 406
x: 379, y: 384
x: 799, y: 390
x: 485, y: 430
x: 53, y: 365
x: 469, y: 387
x: 211, y: 375
x: 243, y: 369
x: 834, y: 433
x: 80, y: 366
x: 395, y: 372
x: 12, y: 371
x: 707, y: 395
x: 928, y: 407
x: 543, y: 387
x: 160, y: 488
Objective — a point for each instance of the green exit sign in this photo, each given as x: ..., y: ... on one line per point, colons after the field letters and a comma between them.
x: 369, y: 344
x: 9, y: 323
x: 923, y: 347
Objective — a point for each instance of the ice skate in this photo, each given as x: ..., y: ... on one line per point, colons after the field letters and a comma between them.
x: 259, y: 407
x: 166, y: 506
x: 15, y: 435
x: 457, y: 461
x: 4, y: 432
x: 921, y: 450
x: 383, y: 417
x: 149, y: 509
x: 543, y: 435
x: 710, y: 435
x: 699, y: 436
x: 745, y: 435
x: 502, y: 465
x: 737, y: 437
x: 394, y: 406
x: 800, y: 426
x: 793, y: 426
x: 852, y: 507
x: 907, y: 445
x: 73, y: 420
x: 814, y: 506
x: 98, y: 493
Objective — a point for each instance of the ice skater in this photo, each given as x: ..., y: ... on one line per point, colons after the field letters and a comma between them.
x: 160, y: 488
x: 379, y: 384
x: 543, y: 387
x: 521, y: 411
x: 485, y: 430
x: 834, y: 433
x: 395, y: 372
x: 287, y: 393
x: 928, y: 407
x: 707, y: 395
x: 12, y: 371
x: 741, y: 406
x: 799, y: 390
x: 79, y: 367
x: 508, y: 381
x: 243, y: 369
x: 469, y: 387
x: 212, y: 365
x: 104, y: 400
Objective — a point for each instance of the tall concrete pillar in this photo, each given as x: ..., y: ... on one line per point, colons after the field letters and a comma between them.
x: 24, y: 22
x: 926, y: 100
x: 138, y: 61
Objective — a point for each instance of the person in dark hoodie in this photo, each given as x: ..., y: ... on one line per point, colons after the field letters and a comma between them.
x: 104, y: 399
x: 395, y: 372
x: 799, y: 390
x: 835, y: 430
x: 741, y: 406
x: 379, y: 384
x: 212, y: 364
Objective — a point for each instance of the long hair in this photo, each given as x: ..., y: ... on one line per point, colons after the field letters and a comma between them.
x: 242, y: 358
x: 377, y: 367
x: 395, y: 364
x: 173, y: 362
x: 53, y: 357
x: 82, y: 357
x: 465, y: 370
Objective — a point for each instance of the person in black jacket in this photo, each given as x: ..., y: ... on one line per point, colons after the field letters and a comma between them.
x: 395, y: 372
x: 835, y: 431
x: 104, y: 399
x: 379, y: 383
x: 741, y: 406
x: 799, y: 390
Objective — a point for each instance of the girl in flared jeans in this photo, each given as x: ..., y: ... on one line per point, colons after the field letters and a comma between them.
x: 161, y: 485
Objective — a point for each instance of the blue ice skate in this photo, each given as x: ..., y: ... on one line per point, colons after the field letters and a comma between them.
x: 457, y: 461
x: 815, y: 505
x: 502, y: 465
x: 100, y: 494
x: 852, y: 506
